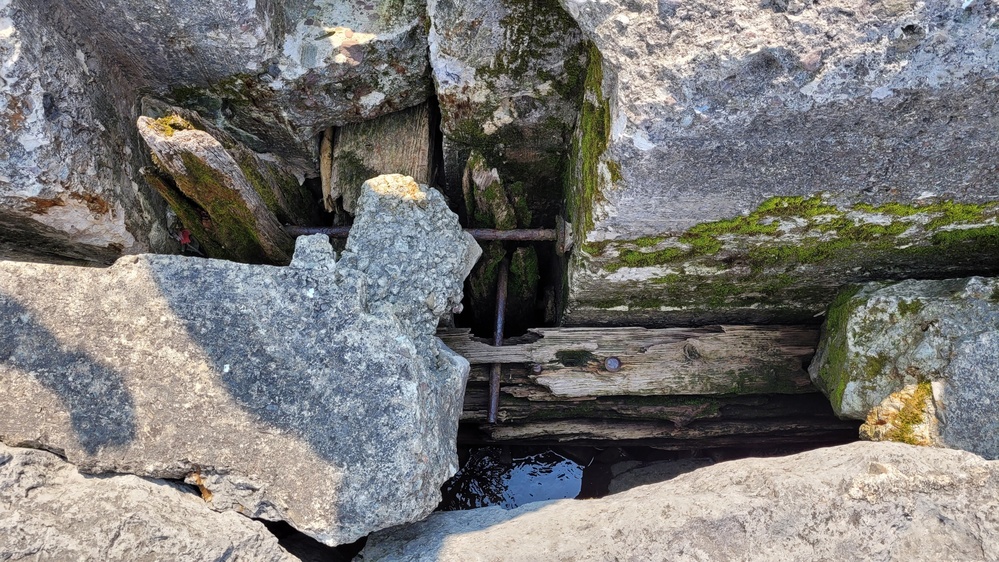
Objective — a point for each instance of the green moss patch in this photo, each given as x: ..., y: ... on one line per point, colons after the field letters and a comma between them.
x: 834, y: 373
x: 910, y: 416
x: 575, y: 357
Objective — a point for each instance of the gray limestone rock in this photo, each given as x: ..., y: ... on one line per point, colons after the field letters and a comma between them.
x: 508, y: 75
x: 268, y: 74
x: 863, y: 501
x: 316, y: 393
x: 698, y: 114
x: 68, y: 189
x: 49, y: 511
x: 917, y: 360
x: 630, y: 474
x: 272, y: 74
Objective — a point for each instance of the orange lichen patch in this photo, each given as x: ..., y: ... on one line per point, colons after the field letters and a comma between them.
x: 206, y: 494
x: 40, y: 205
x: 96, y: 204
x: 17, y: 113
x: 398, y: 185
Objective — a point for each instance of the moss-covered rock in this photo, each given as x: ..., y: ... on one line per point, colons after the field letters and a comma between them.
x: 898, y: 354
x: 230, y: 213
x: 509, y: 77
x: 783, y: 261
x: 723, y: 176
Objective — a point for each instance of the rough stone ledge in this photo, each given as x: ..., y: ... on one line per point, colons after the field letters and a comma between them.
x: 315, y: 393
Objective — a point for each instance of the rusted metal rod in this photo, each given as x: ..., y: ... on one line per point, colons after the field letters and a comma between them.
x: 331, y: 231
x: 519, y: 235
x: 496, y: 368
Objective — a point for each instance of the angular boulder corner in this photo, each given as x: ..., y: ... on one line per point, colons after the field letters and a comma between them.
x: 739, y: 162
x: 315, y: 394
x: 49, y: 511
x: 917, y: 361
x: 863, y: 501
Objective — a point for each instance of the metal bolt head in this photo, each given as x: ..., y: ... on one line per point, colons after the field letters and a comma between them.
x: 537, y: 368
x: 612, y: 364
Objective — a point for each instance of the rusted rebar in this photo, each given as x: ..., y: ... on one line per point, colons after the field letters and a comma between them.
x: 331, y: 231
x: 517, y: 235
x: 495, y: 369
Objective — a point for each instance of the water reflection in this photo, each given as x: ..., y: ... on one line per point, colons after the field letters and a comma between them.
x: 492, y: 476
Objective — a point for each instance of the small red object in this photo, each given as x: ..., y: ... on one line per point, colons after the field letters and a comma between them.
x: 185, y: 236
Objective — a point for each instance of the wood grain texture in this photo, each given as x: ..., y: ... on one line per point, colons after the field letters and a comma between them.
x: 326, y: 170
x: 397, y: 143
x: 656, y: 362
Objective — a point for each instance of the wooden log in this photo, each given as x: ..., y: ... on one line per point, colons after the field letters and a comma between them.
x: 671, y: 361
x: 531, y: 411
x: 212, y: 194
x: 326, y: 169
x: 679, y: 410
x: 397, y: 143
x: 603, y: 431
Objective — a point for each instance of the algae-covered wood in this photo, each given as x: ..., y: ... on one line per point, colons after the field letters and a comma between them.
x: 529, y: 411
x: 212, y: 194
x: 398, y: 143
x: 580, y: 362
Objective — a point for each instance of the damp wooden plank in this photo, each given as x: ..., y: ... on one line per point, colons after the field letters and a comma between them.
x: 655, y: 362
x: 722, y: 432
x: 679, y: 410
x: 397, y: 143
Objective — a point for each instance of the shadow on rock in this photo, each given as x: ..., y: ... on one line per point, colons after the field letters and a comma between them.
x: 99, y: 405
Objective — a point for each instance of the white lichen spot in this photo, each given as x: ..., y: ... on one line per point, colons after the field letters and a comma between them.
x: 504, y: 115
x: 372, y: 100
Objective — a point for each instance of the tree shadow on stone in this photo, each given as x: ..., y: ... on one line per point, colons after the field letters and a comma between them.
x: 100, y: 407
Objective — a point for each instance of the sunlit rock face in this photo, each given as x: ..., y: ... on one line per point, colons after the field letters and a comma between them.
x: 315, y: 393
x: 916, y: 361
x: 269, y: 75
x: 738, y: 162
x: 69, y: 191
x: 49, y: 510
x: 870, y: 501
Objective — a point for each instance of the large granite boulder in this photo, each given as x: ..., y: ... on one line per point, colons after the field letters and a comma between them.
x: 917, y: 360
x: 68, y: 190
x: 863, y: 501
x: 739, y: 161
x: 49, y: 511
x: 315, y: 393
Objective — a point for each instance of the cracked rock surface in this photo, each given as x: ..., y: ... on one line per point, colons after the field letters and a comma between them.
x: 49, y: 511
x: 863, y: 501
x: 315, y: 393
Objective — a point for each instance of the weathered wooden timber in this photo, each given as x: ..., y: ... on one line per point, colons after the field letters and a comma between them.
x: 573, y: 362
x: 397, y: 143
x: 230, y: 200
x: 676, y: 388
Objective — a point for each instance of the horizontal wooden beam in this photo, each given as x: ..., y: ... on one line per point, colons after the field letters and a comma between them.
x: 590, y: 362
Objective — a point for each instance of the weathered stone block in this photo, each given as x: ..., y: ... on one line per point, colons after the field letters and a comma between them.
x: 864, y: 501
x: 508, y: 76
x: 917, y: 360
x: 272, y: 74
x: 315, y: 393
x: 68, y: 189
x: 738, y: 162
x: 49, y: 511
